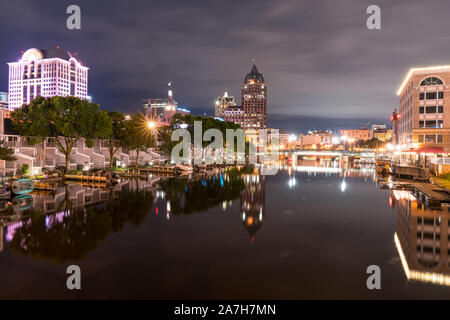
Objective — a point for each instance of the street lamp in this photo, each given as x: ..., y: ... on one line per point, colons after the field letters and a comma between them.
x: 151, y: 125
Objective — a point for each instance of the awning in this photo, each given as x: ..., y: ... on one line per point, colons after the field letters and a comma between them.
x: 427, y: 150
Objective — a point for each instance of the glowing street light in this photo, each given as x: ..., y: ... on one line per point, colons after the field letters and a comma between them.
x: 151, y: 125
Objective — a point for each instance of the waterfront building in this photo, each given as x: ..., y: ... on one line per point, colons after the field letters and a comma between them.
x: 285, y: 139
x: 424, y: 110
x: 377, y: 126
x: 315, y: 139
x: 222, y: 104
x: 382, y: 134
x: 254, y: 100
x: 354, y: 135
x: 46, y: 72
x: 163, y: 109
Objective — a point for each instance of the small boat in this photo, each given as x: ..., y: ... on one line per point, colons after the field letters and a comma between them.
x: 22, y: 202
x: 22, y: 186
x: 382, y: 166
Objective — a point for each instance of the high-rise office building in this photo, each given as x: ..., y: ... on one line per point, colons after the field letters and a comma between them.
x: 254, y: 100
x: 46, y: 73
x: 223, y: 103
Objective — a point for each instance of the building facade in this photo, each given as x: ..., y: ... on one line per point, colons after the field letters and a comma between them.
x: 254, y: 100
x: 222, y: 104
x: 47, y: 73
x: 163, y: 109
x: 234, y: 114
x: 382, y: 134
x: 355, y: 135
x: 3, y: 100
x: 424, y: 110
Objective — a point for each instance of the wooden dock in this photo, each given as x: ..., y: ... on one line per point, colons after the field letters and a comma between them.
x: 87, y: 178
x: 429, y: 194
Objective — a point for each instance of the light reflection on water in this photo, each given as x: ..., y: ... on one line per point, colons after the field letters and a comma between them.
x: 310, y: 231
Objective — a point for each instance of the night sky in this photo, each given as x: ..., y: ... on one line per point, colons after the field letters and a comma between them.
x: 317, y: 57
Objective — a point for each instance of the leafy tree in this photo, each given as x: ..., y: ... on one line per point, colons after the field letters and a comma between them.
x: 373, y: 143
x: 6, y: 153
x: 65, y: 120
x: 188, y: 120
x: 138, y: 136
x: 118, y: 134
x: 25, y: 169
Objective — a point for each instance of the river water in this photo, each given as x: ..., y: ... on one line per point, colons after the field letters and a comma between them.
x: 308, y: 232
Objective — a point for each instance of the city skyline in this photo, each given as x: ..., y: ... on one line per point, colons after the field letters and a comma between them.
x: 326, y: 49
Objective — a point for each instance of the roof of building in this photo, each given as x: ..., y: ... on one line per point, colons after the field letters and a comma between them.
x: 49, y: 53
x: 254, y: 74
x: 56, y: 53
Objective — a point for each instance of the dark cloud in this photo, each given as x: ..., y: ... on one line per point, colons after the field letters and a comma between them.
x: 317, y: 57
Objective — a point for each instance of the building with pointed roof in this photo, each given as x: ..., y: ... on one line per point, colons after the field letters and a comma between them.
x: 254, y: 100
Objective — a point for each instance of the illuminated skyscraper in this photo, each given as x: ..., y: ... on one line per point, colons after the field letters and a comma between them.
x: 254, y: 100
x: 223, y: 103
x: 47, y: 73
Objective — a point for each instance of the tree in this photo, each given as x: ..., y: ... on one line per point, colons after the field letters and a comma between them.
x: 6, y: 153
x: 118, y: 134
x: 188, y: 121
x: 64, y: 120
x: 138, y: 136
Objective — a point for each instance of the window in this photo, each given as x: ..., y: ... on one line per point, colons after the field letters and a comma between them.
x: 421, y: 138
x: 439, y: 138
x: 440, y: 123
x: 431, y: 95
x: 430, y: 124
x: 431, y: 109
x: 440, y: 95
x: 430, y: 138
x: 422, y: 96
x: 421, y: 123
x: 430, y: 81
x: 421, y: 109
x: 440, y: 109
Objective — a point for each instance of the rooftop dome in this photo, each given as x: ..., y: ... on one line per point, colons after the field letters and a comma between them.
x: 38, y: 54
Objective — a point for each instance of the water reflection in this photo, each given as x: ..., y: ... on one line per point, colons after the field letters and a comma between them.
x: 69, y: 224
x: 422, y: 239
x: 72, y: 221
x: 253, y: 201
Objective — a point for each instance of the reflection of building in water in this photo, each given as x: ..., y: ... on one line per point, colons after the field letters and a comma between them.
x: 56, y: 205
x: 253, y: 203
x: 422, y: 240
